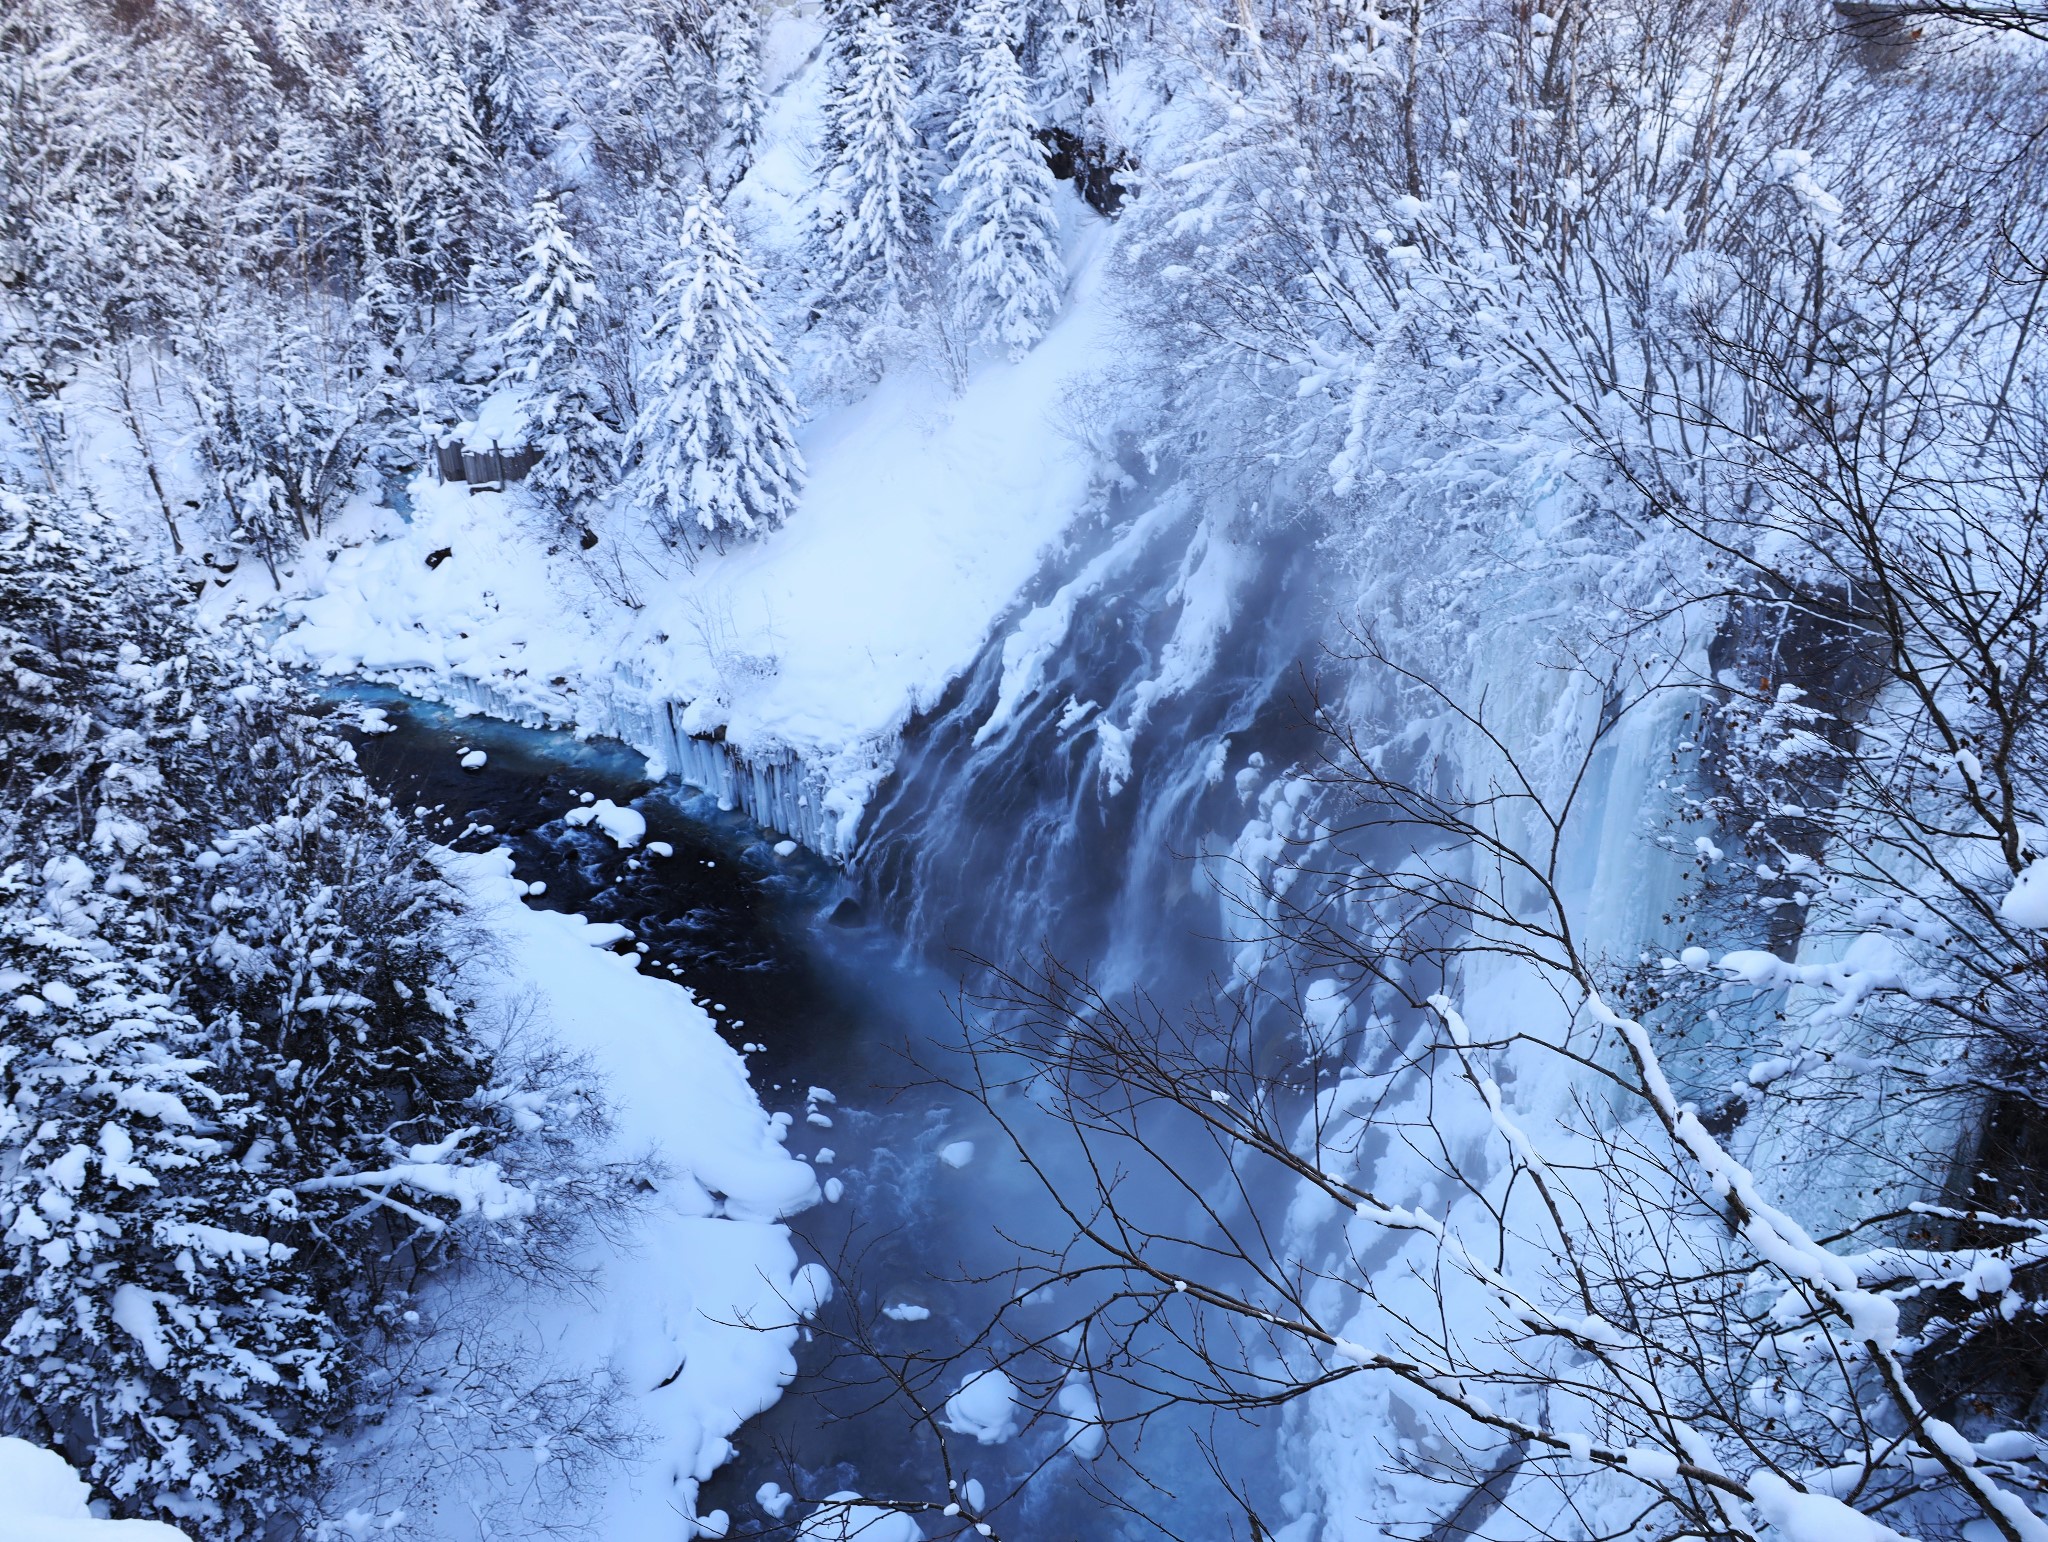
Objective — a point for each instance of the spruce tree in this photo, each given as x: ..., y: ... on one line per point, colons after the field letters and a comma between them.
x: 155, y: 1328
x: 714, y: 448
x: 150, y: 1323
x: 1004, y: 228
x: 872, y: 203
x: 437, y: 188
x: 246, y: 499
x: 567, y: 407
x: 736, y: 50
x: 50, y: 598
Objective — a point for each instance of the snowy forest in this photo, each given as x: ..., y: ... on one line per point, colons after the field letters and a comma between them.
x: 1086, y: 769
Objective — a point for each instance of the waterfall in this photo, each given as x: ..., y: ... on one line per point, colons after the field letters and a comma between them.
x: 1113, y: 735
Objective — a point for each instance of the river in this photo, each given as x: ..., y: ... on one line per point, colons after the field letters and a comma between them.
x: 819, y: 994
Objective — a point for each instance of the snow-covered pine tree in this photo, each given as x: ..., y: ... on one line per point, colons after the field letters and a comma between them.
x: 714, y: 447
x: 1076, y: 48
x: 873, y: 201
x: 245, y: 498
x: 490, y: 64
x: 155, y: 1329
x: 437, y: 188
x: 569, y: 413
x: 1004, y: 227
x: 470, y: 211
x: 50, y: 596
x: 150, y: 1325
x: 736, y: 53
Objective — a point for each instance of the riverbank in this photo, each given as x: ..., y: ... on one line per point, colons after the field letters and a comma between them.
x: 693, y: 1316
x: 656, y: 962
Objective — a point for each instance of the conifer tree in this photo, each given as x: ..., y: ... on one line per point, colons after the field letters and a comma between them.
x: 489, y: 62
x: 50, y: 598
x: 245, y: 498
x: 1004, y: 228
x: 439, y: 191
x: 568, y: 410
x: 714, y: 448
x: 149, y: 1326
x: 736, y: 49
x: 154, y: 1327
x: 873, y: 203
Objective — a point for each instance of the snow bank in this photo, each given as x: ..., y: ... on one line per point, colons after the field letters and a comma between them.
x: 669, y: 1312
x: 43, y: 1500
x: 925, y: 516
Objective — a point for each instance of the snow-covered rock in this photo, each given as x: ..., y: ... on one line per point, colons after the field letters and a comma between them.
x: 985, y: 1407
x: 839, y: 1520
x: 626, y: 826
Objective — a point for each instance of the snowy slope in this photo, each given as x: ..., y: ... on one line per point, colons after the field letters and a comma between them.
x: 43, y: 1500
x: 668, y: 1312
x: 925, y: 516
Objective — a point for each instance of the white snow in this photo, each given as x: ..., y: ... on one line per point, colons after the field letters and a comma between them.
x: 985, y: 1407
x: 2027, y: 902
x: 135, y: 1315
x: 1086, y: 1436
x: 809, y: 1289
x: 626, y: 826
x: 473, y: 760
x: 500, y: 423
x: 837, y: 1520
x: 957, y: 1154
x: 43, y: 1500
x: 1798, y: 1517
x: 694, y: 1312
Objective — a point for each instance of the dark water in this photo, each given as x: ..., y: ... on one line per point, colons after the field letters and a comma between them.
x: 760, y: 939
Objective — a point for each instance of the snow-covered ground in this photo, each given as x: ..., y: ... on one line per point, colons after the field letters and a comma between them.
x: 668, y: 1314
x: 43, y: 1500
